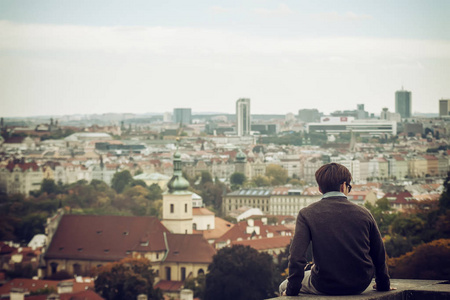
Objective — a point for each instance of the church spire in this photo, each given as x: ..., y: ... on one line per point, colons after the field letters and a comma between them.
x: 178, y: 182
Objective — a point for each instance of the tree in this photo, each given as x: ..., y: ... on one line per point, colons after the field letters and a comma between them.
x: 261, y: 181
x: 206, y: 177
x: 427, y: 261
x: 126, y: 279
x: 120, y: 180
x: 444, y: 200
x: 197, y: 285
x: 277, y: 175
x: 48, y: 186
x: 397, y: 245
x: 237, y: 178
x: 240, y: 272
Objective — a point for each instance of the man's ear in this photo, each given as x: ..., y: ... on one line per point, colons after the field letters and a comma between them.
x: 320, y: 190
x: 342, y: 187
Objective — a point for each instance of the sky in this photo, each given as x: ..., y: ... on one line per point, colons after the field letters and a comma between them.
x: 146, y: 56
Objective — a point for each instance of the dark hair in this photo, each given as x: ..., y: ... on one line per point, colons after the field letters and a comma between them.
x: 331, y: 176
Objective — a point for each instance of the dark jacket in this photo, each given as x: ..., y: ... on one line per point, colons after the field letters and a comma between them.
x: 347, y: 248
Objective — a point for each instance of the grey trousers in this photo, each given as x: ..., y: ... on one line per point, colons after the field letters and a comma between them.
x: 307, y: 287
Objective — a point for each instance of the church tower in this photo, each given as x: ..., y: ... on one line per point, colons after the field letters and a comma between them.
x: 177, y: 201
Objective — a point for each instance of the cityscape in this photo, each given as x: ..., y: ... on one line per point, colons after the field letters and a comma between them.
x: 169, y: 150
x: 196, y: 184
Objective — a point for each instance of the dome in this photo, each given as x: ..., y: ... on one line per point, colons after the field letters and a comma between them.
x: 241, y: 157
x: 178, y: 183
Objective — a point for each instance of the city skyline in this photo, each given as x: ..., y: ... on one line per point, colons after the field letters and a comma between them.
x: 67, y: 58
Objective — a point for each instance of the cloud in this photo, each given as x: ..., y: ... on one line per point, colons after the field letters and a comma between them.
x: 194, y: 42
x: 281, y: 10
x: 184, y: 42
x: 344, y: 17
x: 219, y: 10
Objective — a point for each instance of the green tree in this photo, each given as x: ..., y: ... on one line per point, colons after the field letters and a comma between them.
x: 197, y: 285
x: 206, y: 177
x: 444, y: 200
x: 237, y: 178
x: 397, y: 245
x: 48, y: 186
x: 155, y: 192
x: 408, y: 226
x: 126, y: 279
x: 261, y: 181
x: 276, y: 174
x: 121, y: 180
x: 240, y: 272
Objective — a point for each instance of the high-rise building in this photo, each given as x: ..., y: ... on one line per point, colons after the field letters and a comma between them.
x: 182, y: 115
x: 243, y: 121
x: 403, y: 103
x: 444, y: 107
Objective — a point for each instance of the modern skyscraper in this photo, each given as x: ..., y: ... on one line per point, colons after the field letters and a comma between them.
x: 243, y: 121
x: 182, y: 115
x: 444, y: 107
x: 403, y: 103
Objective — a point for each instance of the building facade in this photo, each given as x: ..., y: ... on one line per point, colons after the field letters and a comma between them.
x: 182, y: 115
x: 271, y: 201
x: 403, y: 104
x: 444, y: 107
x: 243, y: 119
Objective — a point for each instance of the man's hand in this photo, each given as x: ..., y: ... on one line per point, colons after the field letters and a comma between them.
x: 391, y: 288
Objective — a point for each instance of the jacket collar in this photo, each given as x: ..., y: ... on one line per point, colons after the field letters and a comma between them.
x: 334, y: 194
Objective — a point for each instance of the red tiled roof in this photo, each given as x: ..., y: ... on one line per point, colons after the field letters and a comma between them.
x: 220, y: 227
x: 400, y: 198
x: 266, y: 243
x: 106, y: 238
x: 30, y: 285
x: 200, y: 211
x: 239, y: 231
x: 15, y: 140
x: 85, y: 295
x: 24, y: 166
x: 191, y: 248
x: 168, y: 285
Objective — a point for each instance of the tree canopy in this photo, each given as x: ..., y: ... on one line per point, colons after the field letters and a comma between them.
x: 276, y: 174
x: 126, y: 279
x: 240, y: 272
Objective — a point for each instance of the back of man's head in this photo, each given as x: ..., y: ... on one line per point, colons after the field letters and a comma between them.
x: 331, y: 176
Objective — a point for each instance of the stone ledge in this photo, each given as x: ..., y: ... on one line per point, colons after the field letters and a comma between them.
x: 407, y: 289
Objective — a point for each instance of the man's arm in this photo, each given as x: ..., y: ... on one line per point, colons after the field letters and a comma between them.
x: 297, y: 256
x: 378, y: 254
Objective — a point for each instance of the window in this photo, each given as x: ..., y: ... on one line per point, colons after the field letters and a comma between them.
x: 200, y: 272
x: 168, y: 275
x: 77, y: 269
x: 194, y: 226
x: 183, y: 274
x: 54, y: 267
x: 185, y: 208
x: 171, y: 208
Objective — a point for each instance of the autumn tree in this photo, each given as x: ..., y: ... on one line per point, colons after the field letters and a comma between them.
x: 276, y: 174
x: 126, y: 279
x: 427, y: 261
x: 261, y: 181
x: 240, y: 272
